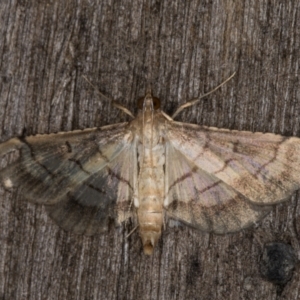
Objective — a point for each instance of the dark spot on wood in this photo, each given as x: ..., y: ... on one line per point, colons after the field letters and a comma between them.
x: 277, y: 263
x: 194, y: 273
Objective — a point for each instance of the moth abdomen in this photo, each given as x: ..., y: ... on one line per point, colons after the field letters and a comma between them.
x: 151, y: 194
x: 150, y: 216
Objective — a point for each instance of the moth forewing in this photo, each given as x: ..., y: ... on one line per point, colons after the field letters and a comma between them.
x: 216, y: 180
x: 76, y: 174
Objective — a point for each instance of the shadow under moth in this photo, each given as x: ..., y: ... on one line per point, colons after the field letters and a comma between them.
x: 151, y: 168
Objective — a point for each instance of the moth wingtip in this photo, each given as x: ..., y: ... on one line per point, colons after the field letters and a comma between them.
x: 7, y: 183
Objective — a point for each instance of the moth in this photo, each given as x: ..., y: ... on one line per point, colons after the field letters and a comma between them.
x: 150, y: 169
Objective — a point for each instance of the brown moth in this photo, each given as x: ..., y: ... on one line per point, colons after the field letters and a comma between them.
x: 215, y: 180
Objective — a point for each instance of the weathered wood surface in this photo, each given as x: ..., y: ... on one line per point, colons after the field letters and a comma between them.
x: 184, y: 48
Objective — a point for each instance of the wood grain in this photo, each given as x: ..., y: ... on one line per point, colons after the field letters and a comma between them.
x: 184, y: 49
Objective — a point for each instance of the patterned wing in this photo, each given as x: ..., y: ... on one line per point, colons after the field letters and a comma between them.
x: 217, y: 178
x: 82, y: 176
x: 204, y: 201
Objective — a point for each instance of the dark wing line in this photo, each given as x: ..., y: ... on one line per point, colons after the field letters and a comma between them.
x: 264, y: 167
x: 203, y: 201
x: 83, y: 177
x: 46, y: 169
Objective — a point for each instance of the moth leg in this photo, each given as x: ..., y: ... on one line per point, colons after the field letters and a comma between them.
x: 132, y: 231
x: 166, y: 180
x: 135, y: 196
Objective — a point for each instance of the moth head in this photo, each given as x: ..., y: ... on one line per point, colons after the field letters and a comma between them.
x: 149, y: 102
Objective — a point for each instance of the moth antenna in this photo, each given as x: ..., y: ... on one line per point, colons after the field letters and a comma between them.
x: 196, y: 100
x: 114, y: 103
x: 132, y: 231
